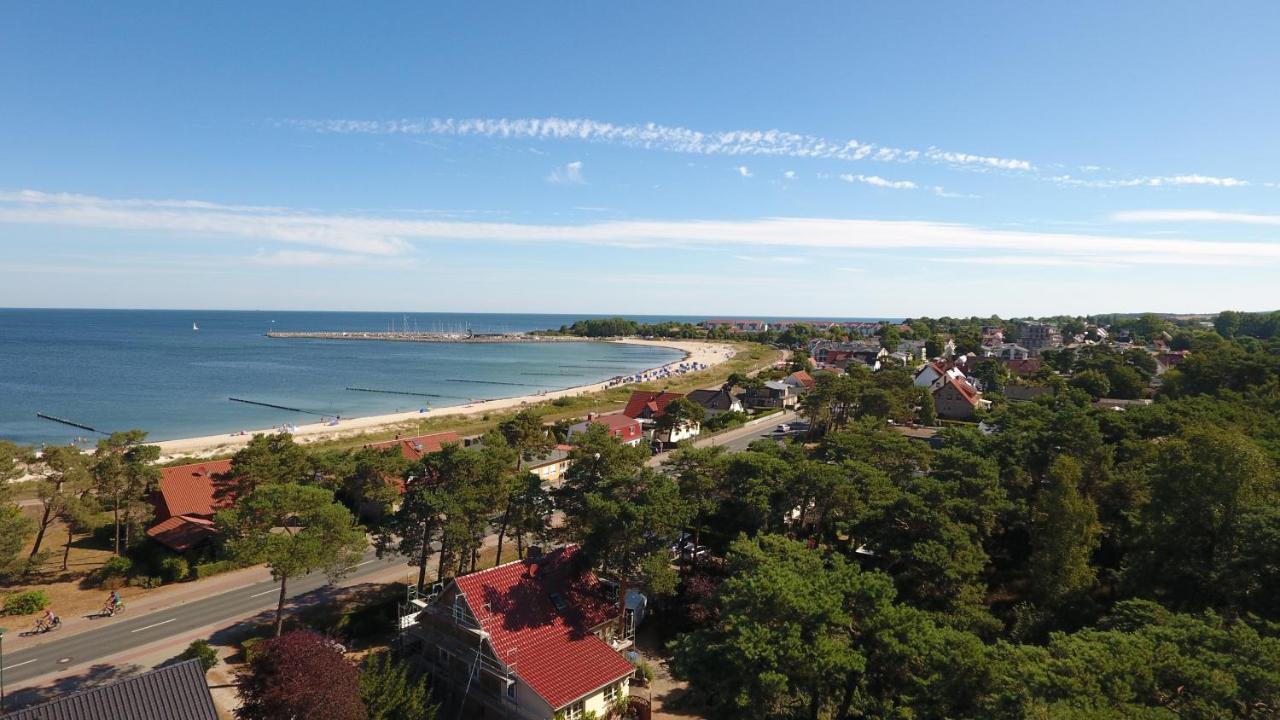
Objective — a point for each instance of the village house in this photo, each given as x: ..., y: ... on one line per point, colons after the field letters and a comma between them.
x: 800, y: 380
x: 736, y: 326
x: 533, y: 639
x: 550, y: 468
x: 1035, y: 336
x: 1024, y: 367
x: 625, y: 429
x: 413, y: 448
x: 956, y: 399
x: 185, y: 500
x: 1006, y: 351
x: 992, y: 336
x: 769, y: 395
x: 647, y: 407
x: 178, y: 691
x: 715, y: 402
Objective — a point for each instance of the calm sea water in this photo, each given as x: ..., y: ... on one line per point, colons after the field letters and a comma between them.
x: 120, y: 369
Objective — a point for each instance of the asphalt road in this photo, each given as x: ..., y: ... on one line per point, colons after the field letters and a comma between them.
x: 125, y: 632
x: 738, y: 439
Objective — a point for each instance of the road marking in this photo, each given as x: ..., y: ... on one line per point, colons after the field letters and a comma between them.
x: 162, y: 622
x: 264, y: 592
x: 10, y: 667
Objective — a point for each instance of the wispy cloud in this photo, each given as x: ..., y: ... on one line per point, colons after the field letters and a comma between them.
x: 743, y: 170
x: 567, y: 174
x: 1158, y: 181
x: 879, y: 181
x: 314, y: 259
x: 789, y: 174
x: 776, y: 259
x: 653, y: 136
x: 1195, y: 216
x: 385, y: 236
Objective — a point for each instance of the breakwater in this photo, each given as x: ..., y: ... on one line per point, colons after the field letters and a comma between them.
x: 429, y: 337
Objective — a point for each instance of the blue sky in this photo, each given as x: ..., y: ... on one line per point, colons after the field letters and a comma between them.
x: 733, y: 158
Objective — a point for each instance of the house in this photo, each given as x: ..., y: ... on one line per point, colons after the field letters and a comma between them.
x: 992, y: 335
x: 1167, y: 360
x: 1036, y: 336
x: 1023, y: 368
x: 736, y: 326
x: 800, y: 380
x: 1007, y: 351
x: 926, y: 435
x: 913, y: 350
x: 828, y: 353
x: 171, y: 692
x: 715, y: 402
x: 550, y: 468
x: 413, y: 448
x: 647, y: 407
x: 627, y: 430
x: 185, y: 500
x: 956, y: 399
x: 530, y: 639
x: 773, y: 394
x: 929, y: 375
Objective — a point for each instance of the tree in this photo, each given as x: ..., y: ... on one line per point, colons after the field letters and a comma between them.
x: 64, y: 479
x: 928, y: 413
x: 1065, y: 534
x: 1094, y: 382
x: 369, y: 481
x: 626, y: 525
x: 294, y: 529
x: 597, y: 459
x: 890, y: 336
x: 529, y: 438
x: 124, y: 472
x: 300, y: 675
x: 15, y: 527
x: 268, y: 458
x: 390, y: 693
x: 412, y: 528
x: 800, y: 362
x: 699, y: 473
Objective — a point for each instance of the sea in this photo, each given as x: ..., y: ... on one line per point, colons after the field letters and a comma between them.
x: 116, y: 370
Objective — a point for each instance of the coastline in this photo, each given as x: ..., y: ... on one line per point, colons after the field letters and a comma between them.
x: 707, y: 353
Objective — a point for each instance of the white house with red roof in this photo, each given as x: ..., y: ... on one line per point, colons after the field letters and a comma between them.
x: 647, y: 407
x: 528, y: 639
x: 185, y: 500
x: 627, y: 430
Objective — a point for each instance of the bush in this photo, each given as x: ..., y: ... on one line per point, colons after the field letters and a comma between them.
x: 174, y: 568
x: 147, y: 582
x: 202, y: 651
x: 116, y: 567
x: 200, y: 572
x: 724, y: 421
x: 26, y: 603
x: 251, y: 647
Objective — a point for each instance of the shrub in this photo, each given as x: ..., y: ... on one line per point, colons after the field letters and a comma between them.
x: 147, y: 582
x: 250, y: 648
x: 26, y: 603
x: 200, y: 572
x: 174, y: 568
x: 565, y: 401
x: 114, y: 568
x: 202, y: 651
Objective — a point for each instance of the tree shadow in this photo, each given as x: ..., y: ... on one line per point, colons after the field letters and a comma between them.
x: 94, y: 677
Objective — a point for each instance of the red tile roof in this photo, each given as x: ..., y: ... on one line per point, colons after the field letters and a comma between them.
x: 619, y: 425
x: 645, y: 404
x: 553, y: 651
x: 966, y: 390
x: 190, y: 489
x: 182, y: 532
x: 804, y: 378
x: 1024, y: 366
x: 415, y: 447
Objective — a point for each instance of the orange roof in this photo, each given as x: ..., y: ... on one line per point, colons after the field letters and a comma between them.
x: 804, y: 378
x: 415, y: 447
x: 966, y: 390
x: 552, y: 649
x: 190, y: 489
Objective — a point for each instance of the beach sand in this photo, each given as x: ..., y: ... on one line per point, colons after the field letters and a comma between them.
x: 706, y: 353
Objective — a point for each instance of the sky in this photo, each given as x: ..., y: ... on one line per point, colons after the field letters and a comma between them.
x: 709, y: 158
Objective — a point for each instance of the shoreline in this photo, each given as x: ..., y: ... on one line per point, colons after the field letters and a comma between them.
x: 707, y: 353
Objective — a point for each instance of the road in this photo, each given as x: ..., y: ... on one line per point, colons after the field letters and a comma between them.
x: 738, y: 439
x: 126, y: 632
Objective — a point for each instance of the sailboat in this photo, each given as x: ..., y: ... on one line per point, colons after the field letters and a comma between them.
x: 195, y: 327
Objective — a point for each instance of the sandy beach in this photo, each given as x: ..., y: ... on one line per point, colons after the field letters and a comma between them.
x: 705, y: 353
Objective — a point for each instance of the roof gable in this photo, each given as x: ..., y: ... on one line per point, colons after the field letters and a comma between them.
x: 646, y: 404
x: 192, y: 489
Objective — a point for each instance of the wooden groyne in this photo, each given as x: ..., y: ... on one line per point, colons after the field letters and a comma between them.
x: 427, y: 337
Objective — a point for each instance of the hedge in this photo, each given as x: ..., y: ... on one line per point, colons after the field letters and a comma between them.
x: 205, y: 570
x: 25, y: 603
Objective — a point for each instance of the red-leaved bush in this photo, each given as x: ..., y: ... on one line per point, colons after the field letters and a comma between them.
x: 300, y: 675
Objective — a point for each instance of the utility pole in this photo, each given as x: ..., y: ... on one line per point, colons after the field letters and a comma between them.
x: 2, y: 632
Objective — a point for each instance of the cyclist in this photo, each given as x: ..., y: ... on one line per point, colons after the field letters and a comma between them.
x: 114, y: 603
x: 48, y: 621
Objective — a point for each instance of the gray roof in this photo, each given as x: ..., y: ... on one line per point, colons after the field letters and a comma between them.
x: 176, y: 692
x: 712, y: 399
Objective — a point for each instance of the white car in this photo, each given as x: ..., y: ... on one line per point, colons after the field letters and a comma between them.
x: 782, y: 429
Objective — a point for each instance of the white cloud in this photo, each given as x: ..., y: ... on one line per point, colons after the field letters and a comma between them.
x: 568, y: 174
x: 878, y: 181
x: 789, y: 174
x: 653, y: 136
x: 778, y: 259
x: 1158, y: 181
x: 743, y: 171
x: 1184, y: 216
x: 943, y: 192
x: 311, y: 258
x: 389, y: 236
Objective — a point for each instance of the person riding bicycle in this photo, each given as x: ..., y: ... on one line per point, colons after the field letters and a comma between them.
x: 48, y: 621
x: 114, y: 603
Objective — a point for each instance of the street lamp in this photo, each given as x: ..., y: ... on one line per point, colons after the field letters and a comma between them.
x: 2, y: 632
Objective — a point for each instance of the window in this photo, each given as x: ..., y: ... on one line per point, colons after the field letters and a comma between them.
x: 611, y: 693
x: 511, y: 691
x: 576, y: 710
